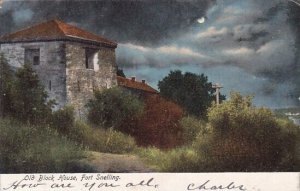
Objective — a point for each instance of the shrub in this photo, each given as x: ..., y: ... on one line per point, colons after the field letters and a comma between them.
x: 6, y: 88
x: 246, y: 138
x: 63, y: 120
x: 113, y: 107
x: 191, y: 127
x: 30, y: 149
x: 237, y: 137
x: 159, y: 125
x: 100, y: 139
x: 183, y: 159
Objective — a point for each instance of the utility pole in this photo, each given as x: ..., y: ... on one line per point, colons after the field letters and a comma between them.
x: 217, y: 86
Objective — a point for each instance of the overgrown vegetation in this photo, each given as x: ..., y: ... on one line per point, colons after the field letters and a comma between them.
x: 159, y: 125
x: 113, y: 107
x: 94, y: 138
x: 154, y: 122
x: 237, y: 137
x: 233, y: 136
x: 23, y: 96
x: 49, y: 141
x: 35, y: 149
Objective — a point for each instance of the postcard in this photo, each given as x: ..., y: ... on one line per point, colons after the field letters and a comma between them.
x: 150, y: 95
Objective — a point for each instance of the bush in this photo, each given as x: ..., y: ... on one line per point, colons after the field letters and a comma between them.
x: 63, y: 120
x: 113, y: 107
x: 159, y: 125
x: 183, y: 159
x: 237, y: 137
x: 102, y: 140
x: 6, y: 88
x: 30, y: 149
x: 246, y: 138
x: 94, y: 138
x: 191, y: 127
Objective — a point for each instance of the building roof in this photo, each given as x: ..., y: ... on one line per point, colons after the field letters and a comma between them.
x: 55, y: 30
x: 132, y: 84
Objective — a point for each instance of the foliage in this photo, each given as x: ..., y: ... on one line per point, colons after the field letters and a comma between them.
x: 101, y: 139
x: 120, y: 72
x: 246, y: 138
x: 113, y: 107
x: 30, y: 149
x: 237, y: 137
x: 95, y: 138
x: 26, y: 97
x: 6, y: 88
x: 192, y: 126
x: 191, y: 91
x: 63, y: 119
x: 183, y: 159
x: 159, y: 125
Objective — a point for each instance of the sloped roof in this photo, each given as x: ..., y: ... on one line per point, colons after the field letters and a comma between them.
x: 55, y: 30
x: 129, y: 83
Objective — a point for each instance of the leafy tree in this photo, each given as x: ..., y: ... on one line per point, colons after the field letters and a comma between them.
x: 113, y: 107
x: 6, y: 87
x: 192, y: 91
x: 30, y: 99
x: 120, y: 72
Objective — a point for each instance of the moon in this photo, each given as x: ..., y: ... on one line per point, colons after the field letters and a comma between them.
x: 201, y: 20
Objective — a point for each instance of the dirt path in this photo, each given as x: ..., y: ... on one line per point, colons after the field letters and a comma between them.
x: 106, y: 162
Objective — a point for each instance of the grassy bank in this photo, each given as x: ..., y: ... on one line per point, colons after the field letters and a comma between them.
x: 35, y: 149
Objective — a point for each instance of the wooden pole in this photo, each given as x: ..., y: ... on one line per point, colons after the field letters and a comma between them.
x: 217, y: 87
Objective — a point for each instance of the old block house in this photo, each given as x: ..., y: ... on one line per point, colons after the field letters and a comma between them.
x: 70, y: 62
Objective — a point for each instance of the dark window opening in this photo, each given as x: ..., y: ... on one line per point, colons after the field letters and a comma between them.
x: 86, y: 60
x: 50, y: 85
x: 36, y: 60
x: 78, y: 86
x: 90, y: 55
x: 32, y: 56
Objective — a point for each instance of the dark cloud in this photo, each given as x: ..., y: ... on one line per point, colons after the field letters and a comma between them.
x: 142, y: 22
x: 254, y: 42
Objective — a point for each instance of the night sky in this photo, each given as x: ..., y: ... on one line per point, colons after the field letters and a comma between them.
x: 250, y: 46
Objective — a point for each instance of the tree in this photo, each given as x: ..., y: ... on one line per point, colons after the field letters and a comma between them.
x: 30, y: 99
x: 6, y: 88
x: 192, y: 91
x: 113, y: 107
x: 120, y: 72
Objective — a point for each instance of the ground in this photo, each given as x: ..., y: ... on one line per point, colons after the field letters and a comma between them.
x: 113, y: 163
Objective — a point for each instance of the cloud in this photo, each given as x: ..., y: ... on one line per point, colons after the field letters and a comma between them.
x: 21, y: 16
x: 212, y: 32
x: 130, y: 55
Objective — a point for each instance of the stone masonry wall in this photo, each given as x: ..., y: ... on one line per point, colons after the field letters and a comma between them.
x: 51, y: 70
x: 82, y: 82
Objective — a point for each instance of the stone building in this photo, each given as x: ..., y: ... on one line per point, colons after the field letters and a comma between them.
x: 70, y: 62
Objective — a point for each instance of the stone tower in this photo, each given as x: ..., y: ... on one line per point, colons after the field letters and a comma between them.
x: 71, y: 63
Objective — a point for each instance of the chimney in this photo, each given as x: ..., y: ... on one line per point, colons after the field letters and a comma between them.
x: 133, y: 78
x: 143, y: 81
